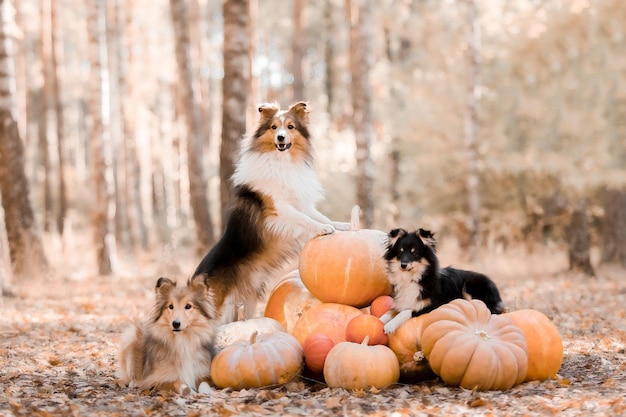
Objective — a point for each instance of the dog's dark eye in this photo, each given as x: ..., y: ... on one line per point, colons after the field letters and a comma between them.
x: 274, y: 127
x: 290, y: 127
x: 171, y: 306
x: 412, y: 250
x: 187, y: 306
x: 401, y: 250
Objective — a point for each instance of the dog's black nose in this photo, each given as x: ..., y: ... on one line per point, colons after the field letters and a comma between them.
x: 176, y: 324
x: 280, y: 138
x: 403, y: 265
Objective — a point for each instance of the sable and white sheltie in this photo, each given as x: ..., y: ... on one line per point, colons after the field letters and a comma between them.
x: 420, y: 286
x: 272, y: 213
x: 173, y: 347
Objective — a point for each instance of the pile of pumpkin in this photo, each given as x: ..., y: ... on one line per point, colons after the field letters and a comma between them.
x: 325, y: 317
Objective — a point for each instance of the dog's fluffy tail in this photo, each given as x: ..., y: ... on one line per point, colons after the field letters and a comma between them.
x: 130, y: 355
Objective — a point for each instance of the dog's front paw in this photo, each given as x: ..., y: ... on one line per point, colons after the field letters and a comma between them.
x: 325, y: 229
x: 391, y: 327
x: 341, y: 226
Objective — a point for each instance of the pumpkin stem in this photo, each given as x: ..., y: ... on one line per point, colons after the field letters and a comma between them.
x: 366, y: 340
x: 482, y: 334
x: 253, y: 337
x: 355, y: 222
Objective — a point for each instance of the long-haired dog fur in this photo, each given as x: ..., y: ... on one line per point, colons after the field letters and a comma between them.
x: 272, y: 213
x: 173, y: 347
x: 419, y: 285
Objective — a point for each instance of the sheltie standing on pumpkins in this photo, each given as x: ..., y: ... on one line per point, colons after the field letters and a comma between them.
x: 272, y: 213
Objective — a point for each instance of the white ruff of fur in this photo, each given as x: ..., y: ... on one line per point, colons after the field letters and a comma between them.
x: 407, y: 290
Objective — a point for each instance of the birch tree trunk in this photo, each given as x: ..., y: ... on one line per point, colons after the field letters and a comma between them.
x: 471, y: 129
x: 235, y: 91
x: 360, y: 20
x: 44, y: 106
x: 297, y: 50
x: 25, y: 247
x: 103, y: 208
x: 197, y: 181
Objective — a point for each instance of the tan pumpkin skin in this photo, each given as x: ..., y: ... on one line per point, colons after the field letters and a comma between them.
x: 346, y: 267
x: 354, y: 366
x: 289, y: 300
x: 229, y: 333
x: 405, y: 343
x: 330, y: 319
x: 269, y: 359
x: 467, y: 346
x: 545, y: 345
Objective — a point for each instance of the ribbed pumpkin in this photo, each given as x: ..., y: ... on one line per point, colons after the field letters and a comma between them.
x: 316, y: 348
x: 330, y: 319
x: 227, y: 334
x: 346, y: 267
x: 289, y: 300
x: 405, y: 343
x: 468, y: 346
x: 359, y: 366
x: 366, y: 325
x: 264, y: 360
x: 545, y: 345
x: 381, y: 305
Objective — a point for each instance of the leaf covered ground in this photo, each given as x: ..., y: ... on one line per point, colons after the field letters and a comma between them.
x: 59, y: 338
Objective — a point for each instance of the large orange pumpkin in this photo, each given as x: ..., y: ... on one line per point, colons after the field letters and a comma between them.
x: 264, y: 360
x: 468, y: 346
x: 346, y: 267
x: 289, y: 300
x: 405, y: 343
x: 330, y: 319
x: 545, y: 345
x: 359, y: 366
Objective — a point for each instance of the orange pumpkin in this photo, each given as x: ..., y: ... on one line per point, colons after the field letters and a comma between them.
x: 545, y: 345
x: 316, y: 348
x: 360, y: 366
x: 468, y: 346
x: 381, y: 305
x: 364, y: 326
x: 330, y: 319
x: 346, y: 267
x: 289, y: 300
x: 405, y: 343
x: 264, y: 360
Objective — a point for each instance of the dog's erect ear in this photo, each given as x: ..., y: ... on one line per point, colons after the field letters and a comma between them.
x: 164, y: 286
x: 394, y: 235
x: 267, y: 111
x: 301, y: 111
x: 198, y: 283
x: 427, y: 237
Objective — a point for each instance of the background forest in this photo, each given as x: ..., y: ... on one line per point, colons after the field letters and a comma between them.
x: 491, y: 122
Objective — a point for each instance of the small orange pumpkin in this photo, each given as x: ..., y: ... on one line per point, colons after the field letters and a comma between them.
x: 405, y: 343
x: 381, y: 305
x: 364, y: 326
x: 545, y: 345
x: 359, y: 366
x: 346, y: 267
x: 263, y: 360
x: 289, y: 300
x: 467, y: 346
x: 316, y: 348
x: 330, y: 319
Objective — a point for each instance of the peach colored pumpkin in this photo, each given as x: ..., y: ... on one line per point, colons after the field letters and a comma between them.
x: 289, y: 300
x: 264, y: 360
x: 545, y: 345
x: 360, y: 366
x: 364, y: 326
x: 346, y: 267
x: 467, y: 346
x: 330, y: 319
x: 316, y: 348
x: 405, y: 343
x: 381, y: 305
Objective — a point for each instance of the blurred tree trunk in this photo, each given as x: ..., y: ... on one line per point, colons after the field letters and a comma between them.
x: 254, y: 95
x: 103, y: 205
x: 360, y: 20
x: 235, y: 91
x: 25, y: 247
x: 128, y: 108
x: 578, y: 240
x: 613, y: 227
x: 200, y: 60
x: 56, y: 62
x: 44, y: 106
x: 471, y: 128
x: 297, y: 50
x: 197, y: 181
x: 330, y: 39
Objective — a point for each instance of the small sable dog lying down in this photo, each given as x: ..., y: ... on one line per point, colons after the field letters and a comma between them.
x: 419, y: 285
x: 173, y: 347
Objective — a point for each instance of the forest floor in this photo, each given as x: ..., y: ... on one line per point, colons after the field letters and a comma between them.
x: 59, y: 339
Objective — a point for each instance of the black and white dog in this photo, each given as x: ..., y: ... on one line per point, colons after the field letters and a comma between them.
x: 420, y: 286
